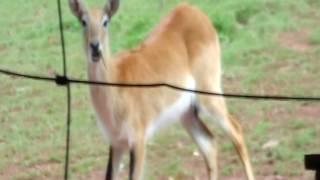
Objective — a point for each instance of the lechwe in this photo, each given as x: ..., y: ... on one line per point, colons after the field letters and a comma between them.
x: 182, y: 50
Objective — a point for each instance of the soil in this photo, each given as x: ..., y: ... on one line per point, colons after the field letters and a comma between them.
x: 298, y: 40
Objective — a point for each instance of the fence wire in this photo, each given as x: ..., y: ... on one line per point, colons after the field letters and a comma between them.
x: 64, y: 80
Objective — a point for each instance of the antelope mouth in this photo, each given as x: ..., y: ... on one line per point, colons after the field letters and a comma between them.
x: 96, y: 56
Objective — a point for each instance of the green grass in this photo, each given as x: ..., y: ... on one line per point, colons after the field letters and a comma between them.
x: 315, y: 37
x: 32, y: 114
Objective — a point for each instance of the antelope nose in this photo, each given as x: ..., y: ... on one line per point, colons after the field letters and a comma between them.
x: 94, y: 47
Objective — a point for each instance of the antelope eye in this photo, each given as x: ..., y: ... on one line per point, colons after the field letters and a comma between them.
x: 84, y: 23
x: 105, y: 23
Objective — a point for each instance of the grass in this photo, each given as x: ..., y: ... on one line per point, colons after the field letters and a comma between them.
x: 255, y: 60
x: 315, y: 37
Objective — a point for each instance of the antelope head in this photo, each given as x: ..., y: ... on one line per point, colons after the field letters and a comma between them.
x: 95, y: 27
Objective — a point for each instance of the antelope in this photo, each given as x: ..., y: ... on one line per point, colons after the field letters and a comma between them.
x: 182, y: 50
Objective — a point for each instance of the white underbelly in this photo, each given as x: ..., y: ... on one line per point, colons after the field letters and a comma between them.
x: 173, y: 112
x: 166, y: 117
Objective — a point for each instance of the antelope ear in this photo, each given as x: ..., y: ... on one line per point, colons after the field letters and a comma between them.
x: 111, y: 7
x: 77, y: 7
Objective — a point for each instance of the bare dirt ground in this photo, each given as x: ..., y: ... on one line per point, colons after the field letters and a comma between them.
x: 297, y: 40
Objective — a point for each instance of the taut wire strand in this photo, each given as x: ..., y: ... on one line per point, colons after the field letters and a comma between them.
x: 61, y: 80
